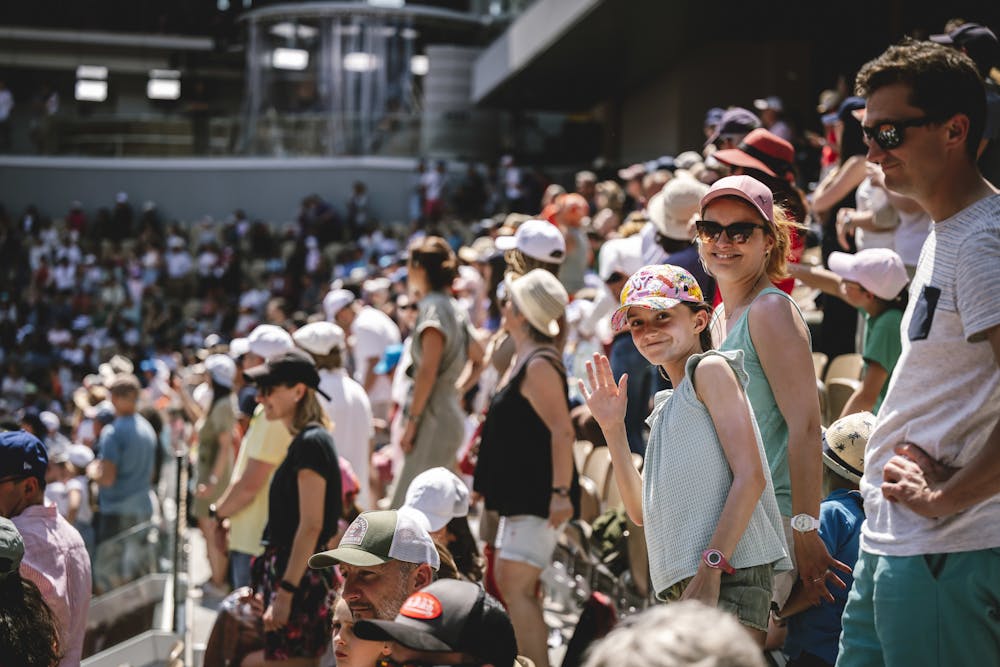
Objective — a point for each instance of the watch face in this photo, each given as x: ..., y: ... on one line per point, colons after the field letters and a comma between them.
x: 802, y: 522
x: 713, y: 558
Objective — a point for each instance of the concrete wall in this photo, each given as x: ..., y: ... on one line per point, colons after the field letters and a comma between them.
x: 187, y: 189
x: 532, y: 32
x: 666, y: 116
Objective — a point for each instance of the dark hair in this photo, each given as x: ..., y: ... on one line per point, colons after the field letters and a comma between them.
x: 435, y: 256
x: 899, y: 303
x: 28, y: 633
x: 220, y: 392
x: 464, y: 550
x: 943, y: 82
x: 705, y: 337
x: 852, y: 139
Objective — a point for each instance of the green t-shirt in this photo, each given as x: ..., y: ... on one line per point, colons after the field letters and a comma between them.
x: 882, y: 345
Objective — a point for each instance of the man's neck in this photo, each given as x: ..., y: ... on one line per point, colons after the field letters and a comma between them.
x: 955, y: 192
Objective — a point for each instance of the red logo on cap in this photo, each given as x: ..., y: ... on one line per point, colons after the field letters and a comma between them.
x: 422, y: 606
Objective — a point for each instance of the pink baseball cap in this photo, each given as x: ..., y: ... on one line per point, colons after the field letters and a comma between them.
x: 656, y: 287
x: 878, y: 270
x: 748, y: 189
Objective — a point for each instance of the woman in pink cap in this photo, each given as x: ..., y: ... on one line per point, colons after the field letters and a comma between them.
x: 743, y: 241
x: 712, y: 525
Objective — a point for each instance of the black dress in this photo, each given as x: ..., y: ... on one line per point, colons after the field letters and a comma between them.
x: 308, y: 631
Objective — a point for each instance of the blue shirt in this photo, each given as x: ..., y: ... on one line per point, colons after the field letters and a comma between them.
x: 130, y: 444
x: 817, y: 630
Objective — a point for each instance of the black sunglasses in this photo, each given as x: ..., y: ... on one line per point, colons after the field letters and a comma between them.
x: 737, y: 232
x: 889, y: 134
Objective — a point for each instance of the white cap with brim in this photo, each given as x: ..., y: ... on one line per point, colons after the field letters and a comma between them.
x: 538, y: 239
x: 439, y: 496
x: 336, y: 301
x: 879, y: 270
x: 269, y: 340
x: 375, y: 538
x: 221, y: 368
x: 320, y: 338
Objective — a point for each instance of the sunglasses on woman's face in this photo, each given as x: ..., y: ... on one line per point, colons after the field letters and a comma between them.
x: 737, y: 232
x: 889, y: 134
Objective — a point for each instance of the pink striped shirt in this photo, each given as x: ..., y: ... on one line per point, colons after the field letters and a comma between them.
x: 56, y: 560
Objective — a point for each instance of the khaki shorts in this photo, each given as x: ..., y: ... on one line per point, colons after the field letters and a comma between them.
x: 746, y: 594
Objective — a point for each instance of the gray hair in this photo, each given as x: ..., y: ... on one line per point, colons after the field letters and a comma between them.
x: 676, y: 635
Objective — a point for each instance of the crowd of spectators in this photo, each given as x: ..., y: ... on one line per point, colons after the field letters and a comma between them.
x: 338, y: 385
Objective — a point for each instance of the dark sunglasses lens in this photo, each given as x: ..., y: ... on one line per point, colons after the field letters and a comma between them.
x: 708, y: 231
x: 740, y: 232
x: 889, y: 136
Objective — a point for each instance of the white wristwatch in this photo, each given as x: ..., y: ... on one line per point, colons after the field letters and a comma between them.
x: 804, y: 523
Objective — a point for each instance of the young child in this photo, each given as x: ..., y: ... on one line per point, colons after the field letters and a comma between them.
x: 813, y: 632
x: 351, y: 651
x: 874, y: 281
x: 705, y: 497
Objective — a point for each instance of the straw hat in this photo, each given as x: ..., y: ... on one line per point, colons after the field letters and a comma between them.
x: 844, y: 444
x: 541, y: 298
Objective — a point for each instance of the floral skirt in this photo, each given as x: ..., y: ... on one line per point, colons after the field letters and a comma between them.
x: 308, y: 631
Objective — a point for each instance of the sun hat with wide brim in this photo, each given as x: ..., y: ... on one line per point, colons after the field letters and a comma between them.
x: 540, y: 297
x: 656, y: 287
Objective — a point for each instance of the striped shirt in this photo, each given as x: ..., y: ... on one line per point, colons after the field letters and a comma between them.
x: 944, y: 394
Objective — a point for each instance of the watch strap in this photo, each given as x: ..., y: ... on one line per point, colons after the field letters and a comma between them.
x: 716, y: 559
x: 288, y: 586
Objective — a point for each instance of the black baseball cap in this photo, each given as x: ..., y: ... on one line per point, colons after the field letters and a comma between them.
x: 449, y: 615
x: 289, y: 368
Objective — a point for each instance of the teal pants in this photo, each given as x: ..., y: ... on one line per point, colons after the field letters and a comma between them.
x: 937, y: 609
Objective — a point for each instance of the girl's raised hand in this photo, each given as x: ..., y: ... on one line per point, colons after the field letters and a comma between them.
x: 606, y: 399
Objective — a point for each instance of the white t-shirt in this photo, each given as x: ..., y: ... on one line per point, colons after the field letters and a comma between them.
x: 373, y: 331
x: 178, y: 264
x: 351, y: 414
x: 944, y: 394
x: 911, y: 234
x: 875, y: 199
x: 84, y: 514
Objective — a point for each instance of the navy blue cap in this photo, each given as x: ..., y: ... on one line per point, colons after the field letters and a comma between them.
x: 714, y: 116
x: 735, y: 121
x: 850, y: 104
x: 22, y: 455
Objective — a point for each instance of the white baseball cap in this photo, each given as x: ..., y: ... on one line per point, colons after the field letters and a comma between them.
x: 437, y: 496
x: 538, y: 239
x: 878, y: 270
x: 269, y: 340
x: 238, y: 347
x: 80, y: 455
x: 222, y: 369
x: 50, y: 420
x: 336, y: 300
x: 320, y: 337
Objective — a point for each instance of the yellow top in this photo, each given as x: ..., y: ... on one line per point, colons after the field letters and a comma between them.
x: 266, y: 441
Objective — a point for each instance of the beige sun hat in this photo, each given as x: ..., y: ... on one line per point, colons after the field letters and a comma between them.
x: 673, y: 207
x: 540, y: 297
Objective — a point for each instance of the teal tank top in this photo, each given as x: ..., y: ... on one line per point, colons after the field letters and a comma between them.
x: 773, y: 428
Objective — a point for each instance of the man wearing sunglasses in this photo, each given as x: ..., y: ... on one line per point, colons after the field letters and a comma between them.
x: 930, y: 545
x: 55, y: 558
x: 450, y: 622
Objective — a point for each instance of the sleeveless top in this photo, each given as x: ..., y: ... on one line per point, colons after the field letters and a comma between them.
x: 773, y: 428
x: 686, y: 481
x: 514, y: 470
